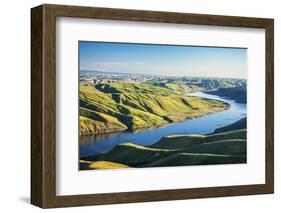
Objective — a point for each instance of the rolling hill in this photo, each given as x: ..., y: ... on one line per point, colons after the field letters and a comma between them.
x: 240, y: 124
x: 239, y: 94
x: 128, y: 106
x: 224, y: 146
x: 200, y: 83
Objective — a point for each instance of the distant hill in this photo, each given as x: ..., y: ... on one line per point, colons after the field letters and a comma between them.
x: 240, y: 124
x: 180, y: 88
x: 215, y: 84
x: 121, y: 106
x: 239, y: 94
x: 194, y: 84
x: 226, y: 145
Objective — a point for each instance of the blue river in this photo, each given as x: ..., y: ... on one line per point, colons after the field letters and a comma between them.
x: 93, y: 145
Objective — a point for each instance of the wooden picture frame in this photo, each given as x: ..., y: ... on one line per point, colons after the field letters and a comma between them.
x: 43, y: 105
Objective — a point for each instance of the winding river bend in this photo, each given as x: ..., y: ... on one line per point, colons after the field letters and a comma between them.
x: 93, y: 145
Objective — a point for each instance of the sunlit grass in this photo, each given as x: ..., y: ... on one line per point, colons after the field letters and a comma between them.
x: 102, y: 165
x: 120, y: 106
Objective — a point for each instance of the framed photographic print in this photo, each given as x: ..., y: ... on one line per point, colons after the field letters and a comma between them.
x: 136, y: 106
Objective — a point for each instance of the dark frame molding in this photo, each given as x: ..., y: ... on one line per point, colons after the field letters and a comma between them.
x: 43, y: 105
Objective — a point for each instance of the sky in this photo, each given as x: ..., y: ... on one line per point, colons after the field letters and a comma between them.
x: 168, y: 60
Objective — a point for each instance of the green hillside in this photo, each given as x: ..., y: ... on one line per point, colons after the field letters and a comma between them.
x: 239, y: 94
x: 215, y: 84
x: 179, y: 150
x: 240, y: 124
x: 181, y: 88
x: 200, y: 83
x: 121, y: 106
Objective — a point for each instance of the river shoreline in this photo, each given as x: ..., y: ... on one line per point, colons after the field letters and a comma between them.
x: 212, y: 110
x: 93, y: 145
x: 153, y: 126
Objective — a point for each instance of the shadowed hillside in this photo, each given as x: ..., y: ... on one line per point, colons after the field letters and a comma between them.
x: 227, y: 145
x: 240, y: 124
x: 239, y: 94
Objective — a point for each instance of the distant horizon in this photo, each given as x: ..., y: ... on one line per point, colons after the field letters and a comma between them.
x: 83, y: 70
x: 163, y: 60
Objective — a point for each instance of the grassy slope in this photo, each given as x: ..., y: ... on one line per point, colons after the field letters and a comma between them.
x: 215, y: 84
x: 240, y: 124
x: 205, y: 84
x: 177, y: 150
x: 178, y: 87
x: 86, y: 165
x: 121, y: 106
